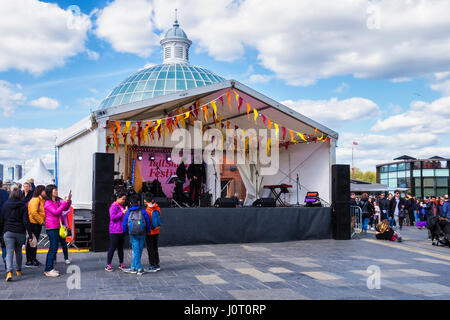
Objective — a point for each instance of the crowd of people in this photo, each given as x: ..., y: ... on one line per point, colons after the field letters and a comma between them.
x: 26, y: 209
x: 381, y: 212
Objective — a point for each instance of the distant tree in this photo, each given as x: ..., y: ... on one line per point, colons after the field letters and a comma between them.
x: 368, y: 176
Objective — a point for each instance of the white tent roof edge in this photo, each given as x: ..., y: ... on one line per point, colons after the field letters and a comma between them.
x: 107, y: 113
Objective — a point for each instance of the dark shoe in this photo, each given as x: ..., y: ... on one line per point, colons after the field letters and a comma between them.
x: 399, y: 239
x: 37, y: 263
x: 30, y: 265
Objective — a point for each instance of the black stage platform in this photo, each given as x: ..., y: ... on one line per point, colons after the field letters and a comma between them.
x: 189, y: 226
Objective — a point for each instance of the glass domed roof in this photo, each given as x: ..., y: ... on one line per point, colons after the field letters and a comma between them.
x: 157, y: 81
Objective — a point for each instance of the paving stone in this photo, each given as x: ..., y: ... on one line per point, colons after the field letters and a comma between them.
x: 261, y: 276
x: 269, y: 294
x: 318, y: 275
x: 210, y: 279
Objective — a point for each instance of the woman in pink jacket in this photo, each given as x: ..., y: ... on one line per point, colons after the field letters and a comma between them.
x: 54, y: 209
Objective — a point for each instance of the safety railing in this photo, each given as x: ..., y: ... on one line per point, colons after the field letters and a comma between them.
x: 356, y: 221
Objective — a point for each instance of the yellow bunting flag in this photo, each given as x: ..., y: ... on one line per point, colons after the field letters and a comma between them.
x: 127, y: 127
x: 158, y: 123
x: 255, y: 112
x: 213, y: 103
x: 301, y: 136
x: 237, y: 96
x: 268, y: 146
x: 187, y: 114
x: 276, y: 128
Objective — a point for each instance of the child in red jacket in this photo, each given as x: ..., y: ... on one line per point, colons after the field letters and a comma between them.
x: 152, y: 237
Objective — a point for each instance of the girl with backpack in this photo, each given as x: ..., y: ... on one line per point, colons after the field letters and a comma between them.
x: 136, y: 223
x: 116, y: 235
x: 14, y: 225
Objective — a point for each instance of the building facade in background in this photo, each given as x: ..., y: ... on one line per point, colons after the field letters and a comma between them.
x: 423, y: 177
x: 1, y: 172
x: 10, y: 175
x: 18, y: 172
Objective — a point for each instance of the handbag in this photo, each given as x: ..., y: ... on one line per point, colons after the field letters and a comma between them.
x: 62, y: 230
x: 33, y: 243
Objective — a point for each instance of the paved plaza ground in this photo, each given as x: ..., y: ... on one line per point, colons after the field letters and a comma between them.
x: 316, y: 269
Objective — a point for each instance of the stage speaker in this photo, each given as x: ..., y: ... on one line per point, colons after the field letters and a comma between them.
x: 225, y: 203
x: 162, y: 202
x: 205, y: 200
x: 102, y: 194
x: 340, y: 196
x: 264, y: 202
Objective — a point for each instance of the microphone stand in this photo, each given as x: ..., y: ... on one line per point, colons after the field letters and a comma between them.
x: 298, y: 204
x: 257, y: 193
x: 215, y: 180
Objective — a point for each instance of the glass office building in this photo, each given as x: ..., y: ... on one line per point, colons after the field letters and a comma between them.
x: 423, y: 177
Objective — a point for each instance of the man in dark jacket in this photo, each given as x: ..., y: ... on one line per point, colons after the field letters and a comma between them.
x: 396, y: 204
x: 197, y: 176
x: 14, y: 225
x: 383, y: 203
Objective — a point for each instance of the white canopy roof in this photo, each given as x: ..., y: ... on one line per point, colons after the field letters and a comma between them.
x: 39, y: 173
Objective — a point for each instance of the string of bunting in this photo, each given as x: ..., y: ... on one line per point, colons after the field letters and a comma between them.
x: 184, y: 116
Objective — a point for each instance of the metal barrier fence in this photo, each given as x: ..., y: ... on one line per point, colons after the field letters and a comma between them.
x: 356, y: 220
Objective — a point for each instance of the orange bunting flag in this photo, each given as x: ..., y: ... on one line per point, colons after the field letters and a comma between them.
x: 133, y: 134
x: 213, y: 103
x: 228, y: 124
x: 248, y: 110
x: 205, y: 111
x: 118, y: 126
x: 270, y: 124
x: 229, y: 100
x: 315, y: 131
x: 292, y: 136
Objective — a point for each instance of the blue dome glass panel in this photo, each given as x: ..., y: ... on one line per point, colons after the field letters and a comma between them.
x: 157, y: 81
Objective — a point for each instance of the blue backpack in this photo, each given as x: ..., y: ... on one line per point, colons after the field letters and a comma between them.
x: 136, y: 223
x: 156, y: 219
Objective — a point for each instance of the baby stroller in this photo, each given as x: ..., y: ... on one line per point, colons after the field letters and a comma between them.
x: 440, y: 231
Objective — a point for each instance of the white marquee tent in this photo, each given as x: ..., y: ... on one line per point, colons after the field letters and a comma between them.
x: 39, y: 173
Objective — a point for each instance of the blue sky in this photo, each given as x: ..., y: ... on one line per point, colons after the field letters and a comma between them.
x: 359, y: 67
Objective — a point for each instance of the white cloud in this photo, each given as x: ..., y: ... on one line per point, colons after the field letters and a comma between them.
x: 376, y: 149
x: 127, y: 26
x: 90, y: 102
x: 45, y: 103
x: 260, y: 78
x: 335, y: 112
x: 314, y: 40
x: 17, y: 145
x: 92, y: 55
x: 421, y: 116
x: 344, y: 86
x: 38, y: 36
x: 10, y: 98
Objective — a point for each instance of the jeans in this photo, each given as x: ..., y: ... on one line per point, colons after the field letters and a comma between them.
x: 365, y: 223
x: 64, y: 248
x: 14, y: 243
x: 152, y: 249
x: 398, y: 224
x: 31, y: 252
x: 137, y: 245
x: 116, y: 242
x: 53, y: 236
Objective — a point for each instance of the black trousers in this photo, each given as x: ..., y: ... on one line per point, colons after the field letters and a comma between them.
x: 31, y: 252
x: 412, y: 218
x: 152, y: 249
x: 116, y: 242
x: 194, y: 191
